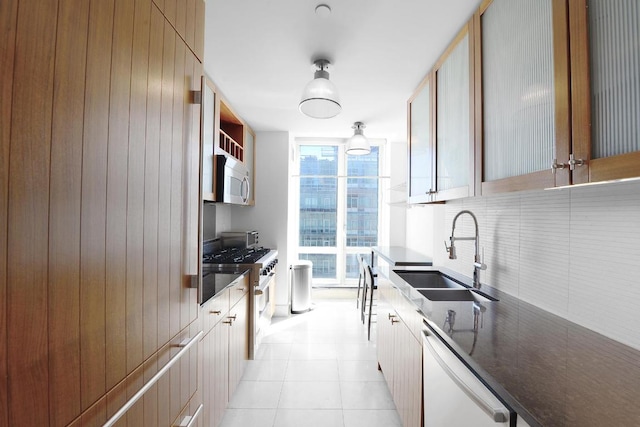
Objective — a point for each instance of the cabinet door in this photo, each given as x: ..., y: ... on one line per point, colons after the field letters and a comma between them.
x: 454, y: 119
x: 207, y: 377
x: 238, y: 342
x: 605, y: 88
x: 421, y: 151
x: 250, y: 162
x: 522, y: 80
x: 220, y: 387
x: 385, y: 340
x: 207, y: 132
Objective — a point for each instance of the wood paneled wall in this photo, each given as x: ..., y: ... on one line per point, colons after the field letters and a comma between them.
x: 97, y: 136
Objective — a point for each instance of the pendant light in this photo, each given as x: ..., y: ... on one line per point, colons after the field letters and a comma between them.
x: 320, y: 98
x: 358, y: 144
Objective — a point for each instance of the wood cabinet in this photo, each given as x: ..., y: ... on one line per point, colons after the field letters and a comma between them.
x: 187, y: 19
x: 421, y: 180
x: 249, y: 161
x: 223, y: 133
x: 605, y: 92
x: 224, y: 348
x: 399, y: 354
x: 441, y: 126
x: 523, y: 95
x: 553, y: 96
x: 454, y: 119
x: 96, y: 132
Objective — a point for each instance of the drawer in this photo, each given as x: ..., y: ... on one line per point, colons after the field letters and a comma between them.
x: 215, y: 309
x: 238, y: 289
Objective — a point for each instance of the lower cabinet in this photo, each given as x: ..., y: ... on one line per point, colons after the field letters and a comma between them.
x: 224, y: 350
x: 400, y: 359
x: 238, y: 342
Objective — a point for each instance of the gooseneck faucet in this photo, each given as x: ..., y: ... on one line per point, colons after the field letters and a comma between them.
x: 477, y: 262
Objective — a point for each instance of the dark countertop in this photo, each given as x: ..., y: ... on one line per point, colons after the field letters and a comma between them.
x: 399, y: 255
x: 551, y: 371
x: 215, y: 280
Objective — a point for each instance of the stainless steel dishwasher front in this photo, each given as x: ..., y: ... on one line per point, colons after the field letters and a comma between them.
x: 453, y: 395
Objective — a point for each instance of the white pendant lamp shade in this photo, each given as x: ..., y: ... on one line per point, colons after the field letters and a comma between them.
x: 320, y: 98
x: 358, y: 144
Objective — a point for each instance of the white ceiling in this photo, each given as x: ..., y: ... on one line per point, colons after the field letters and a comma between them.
x: 260, y: 55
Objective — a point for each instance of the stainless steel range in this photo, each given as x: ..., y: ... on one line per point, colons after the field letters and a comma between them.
x: 261, y: 263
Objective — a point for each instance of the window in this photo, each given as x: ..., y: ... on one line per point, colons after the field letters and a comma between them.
x: 347, y: 218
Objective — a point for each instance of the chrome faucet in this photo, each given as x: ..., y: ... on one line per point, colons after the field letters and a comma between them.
x: 477, y: 262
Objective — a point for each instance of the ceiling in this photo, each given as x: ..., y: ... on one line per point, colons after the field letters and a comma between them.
x: 260, y: 54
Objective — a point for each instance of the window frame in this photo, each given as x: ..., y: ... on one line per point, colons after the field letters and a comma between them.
x: 341, y: 247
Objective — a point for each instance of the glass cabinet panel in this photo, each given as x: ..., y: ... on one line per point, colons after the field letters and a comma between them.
x: 420, y: 150
x: 452, y: 119
x: 614, y: 44
x: 517, y: 88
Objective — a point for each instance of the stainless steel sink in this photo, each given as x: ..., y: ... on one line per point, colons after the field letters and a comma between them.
x: 428, y: 280
x: 453, y: 295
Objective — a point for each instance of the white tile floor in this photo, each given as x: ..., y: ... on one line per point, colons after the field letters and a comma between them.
x: 315, y: 369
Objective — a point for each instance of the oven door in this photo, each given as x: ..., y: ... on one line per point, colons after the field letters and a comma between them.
x: 263, y: 305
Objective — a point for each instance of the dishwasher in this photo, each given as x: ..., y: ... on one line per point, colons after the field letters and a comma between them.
x: 453, y: 395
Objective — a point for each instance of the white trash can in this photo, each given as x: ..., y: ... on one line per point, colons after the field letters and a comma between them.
x: 301, y: 286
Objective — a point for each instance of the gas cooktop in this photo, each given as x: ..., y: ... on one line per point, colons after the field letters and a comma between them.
x: 235, y: 256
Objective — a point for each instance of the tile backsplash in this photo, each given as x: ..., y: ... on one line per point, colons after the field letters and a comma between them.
x: 573, y: 251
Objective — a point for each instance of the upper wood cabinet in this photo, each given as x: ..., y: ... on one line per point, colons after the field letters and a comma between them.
x: 454, y: 119
x: 421, y: 143
x: 223, y: 132
x: 441, y: 126
x: 605, y: 88
x: 249, y: 161
x: 523, y: 96
x: 553, y: 93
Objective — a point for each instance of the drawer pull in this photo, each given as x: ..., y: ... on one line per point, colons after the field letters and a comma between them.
x: 216, y: 312
x: 186, y: 345
x: 188, y: 420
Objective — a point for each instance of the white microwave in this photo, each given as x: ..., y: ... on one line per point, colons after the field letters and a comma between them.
x: 232, y: 181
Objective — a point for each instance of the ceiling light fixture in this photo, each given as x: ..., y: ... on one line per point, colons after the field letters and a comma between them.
x: 323, y: 10
x: 358, y: 144
x: 320, y: 98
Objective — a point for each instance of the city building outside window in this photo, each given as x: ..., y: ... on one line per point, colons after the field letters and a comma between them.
x: 340, y: 208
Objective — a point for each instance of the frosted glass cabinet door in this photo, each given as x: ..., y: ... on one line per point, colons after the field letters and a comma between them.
x: 605, y: 47
x: 520, y: 109
x: 454, y: 143
x: 420, y: 146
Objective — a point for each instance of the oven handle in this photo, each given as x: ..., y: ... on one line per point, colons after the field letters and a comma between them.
x: 264, y: 282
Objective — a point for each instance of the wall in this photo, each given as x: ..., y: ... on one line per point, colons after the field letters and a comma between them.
x: 270, y: 214
x: 397, y: 194
x: 97, y: 137
x: 572, y: 251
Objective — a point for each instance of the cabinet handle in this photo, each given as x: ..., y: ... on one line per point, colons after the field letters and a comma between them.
x: 232, y: 317
x: 450, y: 364
x: 392, y: 316
x: 216, y: 312
x: 188, y: 421
x: 241, y: 289
x: 394, y: 321
x: 228, y: 322
x: 185, y: 348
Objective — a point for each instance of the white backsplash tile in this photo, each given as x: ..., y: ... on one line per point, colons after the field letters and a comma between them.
x: 605, y: 260
x: 544, y: 250
x: 501, y: 242
x: 574, y: 252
